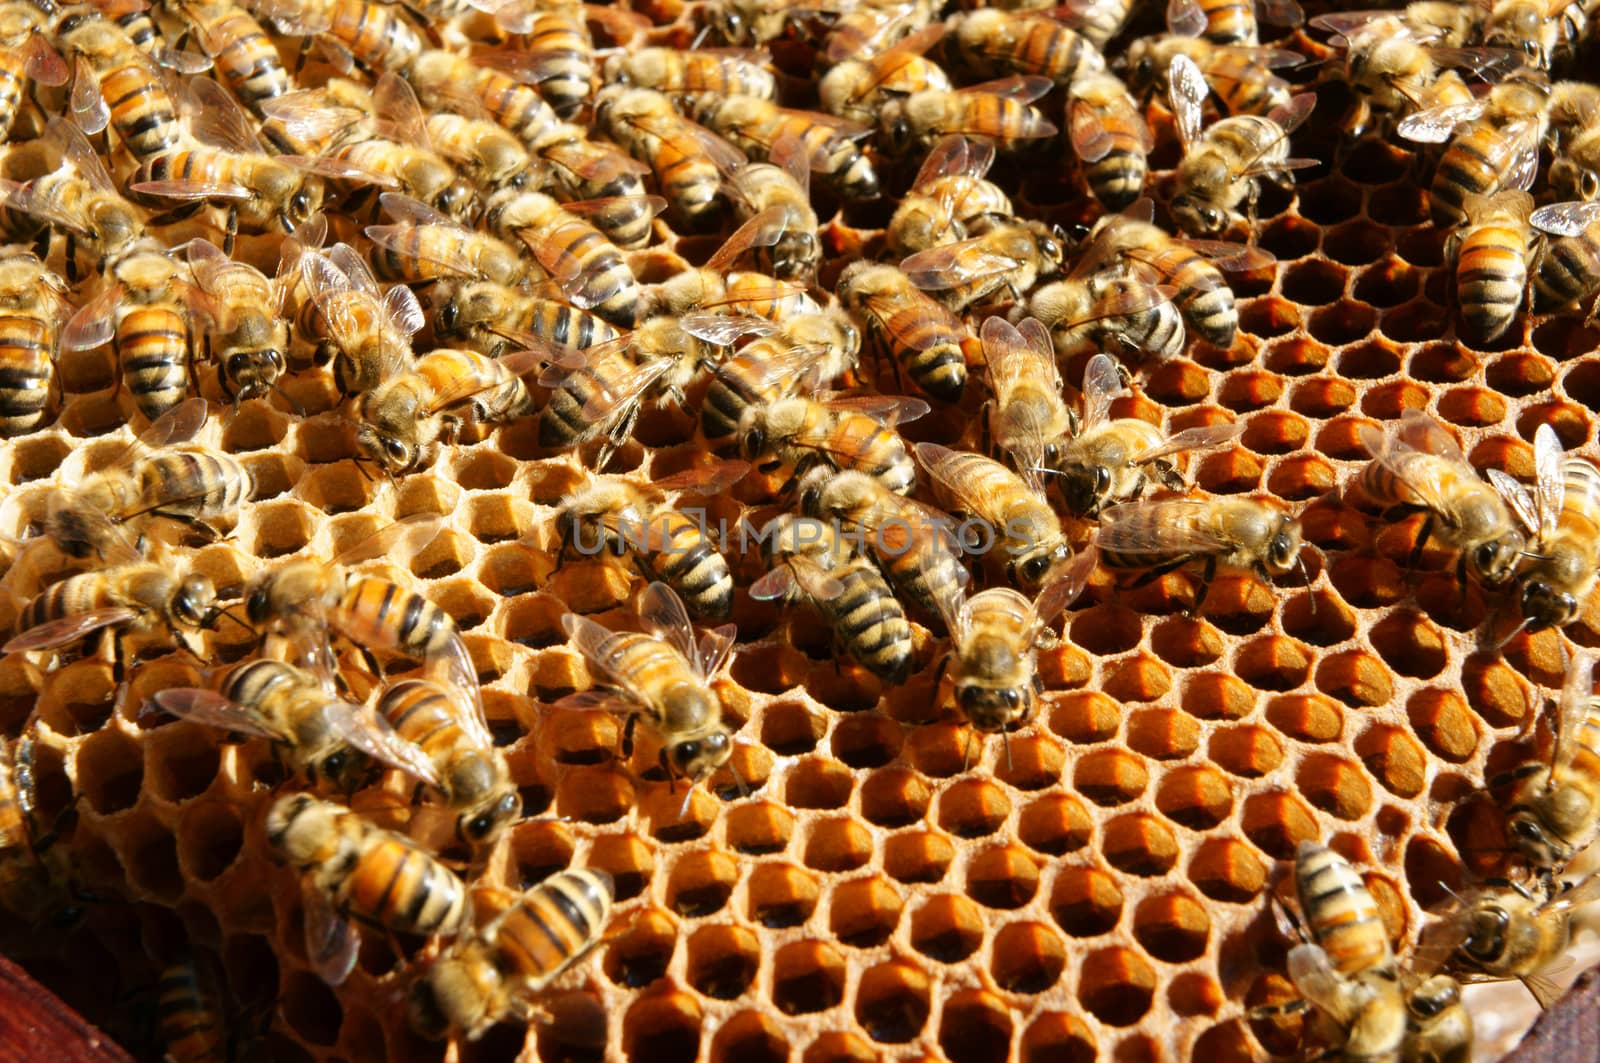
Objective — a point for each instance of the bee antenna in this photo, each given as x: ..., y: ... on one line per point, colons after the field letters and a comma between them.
x: 1453, y: 894
x: 224, y: 611
x: 1533, y: 556
x: 688, y: 795
x: 1005, y: 743
x: 738, y: 780
x: 966, y: 764
x: 295, y: 407
x: 1519, y: 629
x: 1305, y: 574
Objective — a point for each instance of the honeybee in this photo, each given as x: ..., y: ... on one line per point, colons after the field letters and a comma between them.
x: 916, y: 331
x: 866, y: 29
x: 192, y: 1028
x: 1491, y: 253
x: 995, y: 43
x: 33, y: 300
x: 840, y: 433
x: 147, y: 310
x: 949, y: 200
x: 403, y: 419
x: 1219, y: 168
x: 1569, y: 268
x: 590, y: 270
x: 490, y: 973
x: 1553, y: 810
x: 1241, y: 79
x: 1107, y: 462
x: 352, y: 869
x: 1164, y: 534
x: 1229, y: 21
x: 240, y: 50
x: 1542, y: 30
x: 912, y: 544
x: 673, y: 71
x: 1563, y: 519
x: 999, y: 112
x: 1008, y: 258
x: 748, y: 22
x: 320, y: 736
x: 25, y: 55
x: 251, y: 335
x: 1110, y: 136
x: 803, y: 350
x: 465, y: 766
x: 859, y: 85
x: 135, y: 598
x: 555, y: 53
x: 666, y: 544
x: 80, y: 199
x: 1421, y: 465
x: 426, y: 245
x: 1026, y: 417
x: 993, y: 656
x: 369, y: 329
x: 782, y: 186
x: 376, y: 35
x: 663, y: 677
x: 718, y: 287
x: 688, y: 160
x: 1102, y: 302
x: 1013, y: 509
x: 486, y: 315
x: 808, y: 559
x: 483, y: 152
x: 756, y: 127
x: 108, y: 67
x: 1495, y: 144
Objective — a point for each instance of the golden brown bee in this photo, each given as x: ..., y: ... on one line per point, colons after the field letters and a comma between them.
x: 912, y: 544
x: 192, y: 1028
x: 240, y: 49
x: 354, y: 870
x: 147, y: 310
x: 949, y: 201
x: 80, y: 199
x: 115, y: 82
x: 555, y: 54
x: 1498, y: 148
x: 783, y: 186
x: 673, y: 71
x: 717, y: 286
x: 1004, y: 261
x: 376, y: 35
x: 756, y: 127
x: 33, y: 300
x: 403, y: 419
x: 802, y: 433
x: 1394, y: 68
x: 1544, y: 31
x: 369, y: 329
x: 490, y: 973
x: 689, y: 161
x: 426, y: 245
x: 1165, y: 534
x: 867, y: 29
x: 317, y: 733
x: 575, y: 253
x: 1563, y: 521
x: 1492, y: 252
x: 859, y: 85
x: 1104, y: 302
x: 1229, y: 21
x: 1011, y: 511
x: 664, y: 678
x: 1575, y: 117
x: 251, y: 336
x: 1220, y: 168
x: 666, y: 544
x: 1110, y: 136
x: 1438, y: 1025
x: 995, y: 43
x: 808, y: 559
x: 1421, y: 465
x: 1569, y: 268
x: 133, y: 598
x: 1242, y: 79
x: 442, y: 78
x: 803, y: 350
x: 1027, y: 418
x: 25, y: 55
x: 750, y: 22
x: 914, y: 329
x: 998, y: 112
x: 1107, y: 462
x: 488, y: 317
x: 483, y: 152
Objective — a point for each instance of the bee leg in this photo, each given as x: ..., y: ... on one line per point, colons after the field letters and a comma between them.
x: 209, y: 533
x: 1169, y: 476
x: 1205, y: 585
x: 966, y: 762
x: 625, y: 747
x: 1272, y: 1011
x: 1422, y: 540
x: 231, y: 231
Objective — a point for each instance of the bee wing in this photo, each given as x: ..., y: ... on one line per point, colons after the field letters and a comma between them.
x: 590, y: 639
x: 716, y: 646
x: 763, y: 230
x: 95, y: 321
x: 494, y: 373
x: 198, y: 705
x: 1514, y: 495
x: 49, y: 635
x: 1186, y: 18
x: 664, y: 614
x: 331, y: 943
x: 1577, y: 694
x: 1565, y: 219
x: 612, y: 396
x: 1435, y: 125
x: 951, y: 604
x: 402, y: 539
x: 1135, y: 298
x: 1064, y: 590
x: 403, y: 208
x: 86, y: 105
x: 76, y: 149
x: 1156, y: 528
x: 1186, y: 92
x: 778, y: 583
x: 1101, y: 385
x: 711, y: 479
x: 402, y: 310
x: 358, y: 275
x: 1200, y: 438
x: 219, y: 120
x: 888, y: 410
x: 398, y: 111
x: 937, y: 461
x: 1090, y: 126
x: 723, y: 329
x: 208, y: 263
x: 1421, y: 432
x: 1024, y: 88
x: 1550, y: 485
x: 365, y: 730
x: 43, y: 63
x: 955, y: 155
x: 309, y: 118
x: 1320, y: 983
x: 902, y: 328
x: 1236, y: 258
x: 28, y: 200
x: 953, y: 265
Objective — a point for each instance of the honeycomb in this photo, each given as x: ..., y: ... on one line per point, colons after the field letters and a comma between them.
x: 1097, y: 885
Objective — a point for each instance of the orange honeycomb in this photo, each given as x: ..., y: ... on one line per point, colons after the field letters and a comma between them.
x: 1096, y: 886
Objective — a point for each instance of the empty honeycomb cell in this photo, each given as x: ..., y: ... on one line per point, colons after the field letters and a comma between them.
x: 840, y: 1047
x: 947, y: 928
x: 1313, y: 282
x: 1085, y: 902
x: 974, y: 1027
x: 479, y: 469
x: 1226, y: 869
x: 150, y: 855
x: 1290, y: 237
x: 663, y: 1027
x: 1195, y: 993
x: 35, y: 459
x: 1273, y: 663
x: 973, y: 808
x: 1520, y: 375
x: 893, y: 1002
x: 1472, y: 407
x: 674, y: 818
x: 1054, y: 825
x: 1570, y: 422
x: 790, y: 729
x: 864, y: 912
x: 1186, y: 642
x: 837, y: 845
x: 1444, y: 723
x: 1265, y: 317
x: 641, y: 954
x: 807, y: 977
x: 894, y: 797
x: 1246, y: 751
x: 1228, y: 472
x: 1342, y: 322
x: 759, y: 828
x: 1307, y: 717
x: 427, y: 493
x: 865, y: 741
x: 818, y: 783
x: 1240, y: 604
x: 1177, y: 383
x: 310, y: 1008
x: 182, y: 763
x: 93, y: 415
x: 448, y: 553
x: 1413, y: 322
x: 1163, y: 733
x: 1139, y: 679
x: 1277, y: 823
x: 281, y: 528
x: 1394, y: 758
x: 1139, y: 844
x: 1198, y: 797
x: 465, y: 600
x: 1434, y: 875
x: 627, y: 859
x: 846, y: 688
x: 255, y: 426
x: 1005, y: 878
x: 1334, y: 785
x: 1564, y: 336
x: 780, y: 895
x: 80, y: 699
x: 1059, y: 1037
x: 722, y: 961
x: 1275, y: 433
x: 1371, y: 360
x: 942, y: 750
x: 1423, y: 246
x: 540, y: 849
x: 1387, y: 282
x: 1318, y: 618
x: 1441, y: 363
x: 749, y: 1037
x: 510, y: 571
x: 110, y: 771
x: 211, y: 837
x: 362, y: 1029
x: 1366, y: 582
x: 594, y: 795
x: 339, y: 488
x: 1356, y: 678
x: 1340, y: 439
x: 1105, y: 629
x: 1410, y: 645
x: 1356, y: 243
x: 1215, y: 696
x: 1110, y: 777
x: 1172, y: 927
x: 1117, y: 986
x: 1581, y: 382
x: 764, y: 669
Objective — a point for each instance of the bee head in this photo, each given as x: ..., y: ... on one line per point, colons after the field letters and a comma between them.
x: 1496, y: 560
x: 393, y: 455
x: 486, y: 823
x: 992, y: 708
x: 696, y: 758
x: 1284, y: 548
x: 192, y: 605
x: 1544, y: 606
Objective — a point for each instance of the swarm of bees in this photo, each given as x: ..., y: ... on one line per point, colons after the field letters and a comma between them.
x: 757, y: 302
